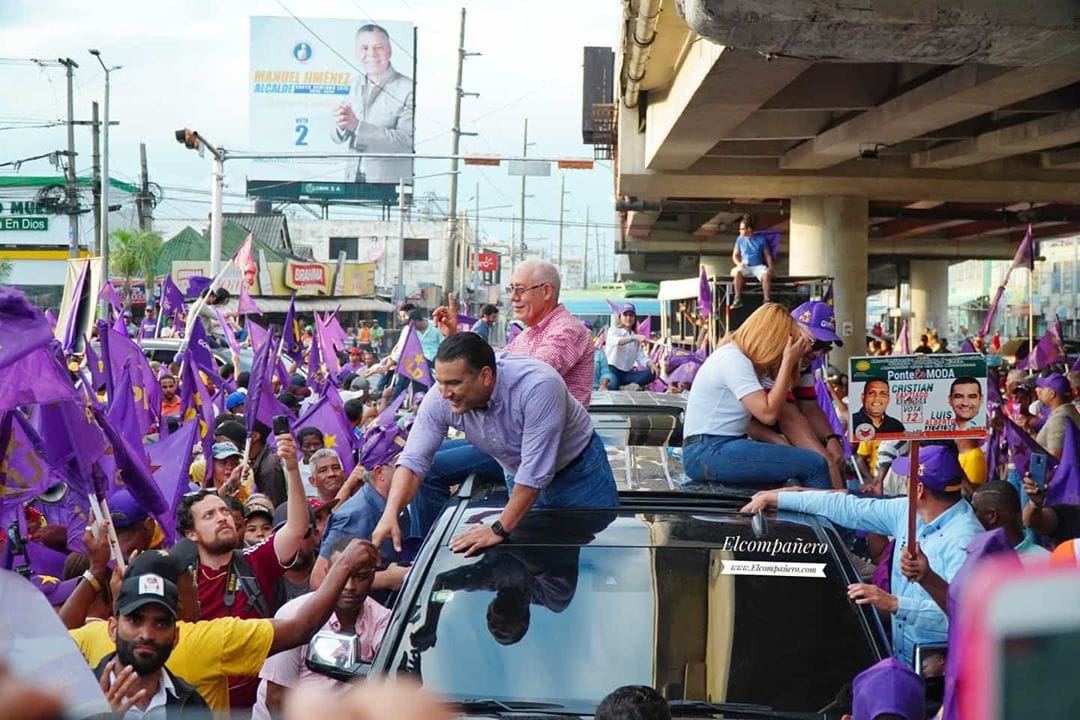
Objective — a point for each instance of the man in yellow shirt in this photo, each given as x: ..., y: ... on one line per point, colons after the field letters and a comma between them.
x: 209, y: 652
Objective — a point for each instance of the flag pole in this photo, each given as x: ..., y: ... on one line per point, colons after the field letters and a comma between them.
x: 913, y: 479
x: 1031, y: 315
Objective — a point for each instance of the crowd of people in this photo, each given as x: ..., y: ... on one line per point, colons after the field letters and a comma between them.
x: 243, y: 509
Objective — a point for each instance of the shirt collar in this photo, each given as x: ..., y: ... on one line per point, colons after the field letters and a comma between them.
x: 943, y: 519
x: 557, y: 312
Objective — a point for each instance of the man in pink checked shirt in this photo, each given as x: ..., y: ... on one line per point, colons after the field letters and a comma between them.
x: 553, y: 334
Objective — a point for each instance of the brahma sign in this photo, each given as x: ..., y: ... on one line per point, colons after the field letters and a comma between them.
x: 303, y: 276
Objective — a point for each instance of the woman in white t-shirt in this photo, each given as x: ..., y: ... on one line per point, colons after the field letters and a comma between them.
x: 728, y: 391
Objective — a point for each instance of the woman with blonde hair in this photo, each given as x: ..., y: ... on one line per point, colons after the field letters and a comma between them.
x: 729, y: 390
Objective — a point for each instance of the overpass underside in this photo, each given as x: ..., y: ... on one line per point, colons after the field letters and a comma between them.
x: 869, y: 141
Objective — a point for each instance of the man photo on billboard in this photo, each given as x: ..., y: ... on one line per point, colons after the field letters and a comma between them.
x: 871, y: 419
x: 965, y: 399
x: 379, y: 116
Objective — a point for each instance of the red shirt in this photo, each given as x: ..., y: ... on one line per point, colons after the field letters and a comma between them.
x: 170, y: 407
x: 561, y: 341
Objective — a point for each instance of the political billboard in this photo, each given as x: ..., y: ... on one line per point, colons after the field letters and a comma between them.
x: 332, y: 86
x: 917, y: 397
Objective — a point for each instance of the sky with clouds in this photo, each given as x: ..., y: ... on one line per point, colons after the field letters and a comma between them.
x: 186, y: 64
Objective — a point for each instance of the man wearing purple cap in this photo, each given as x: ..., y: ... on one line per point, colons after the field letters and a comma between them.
x: 1055, y: 393
x: 945, y: 524
x: 625, y: 349
x: 888, y: 689
x: 802, y: 422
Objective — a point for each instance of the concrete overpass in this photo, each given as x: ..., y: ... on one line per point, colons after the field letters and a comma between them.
x: 883, y: 143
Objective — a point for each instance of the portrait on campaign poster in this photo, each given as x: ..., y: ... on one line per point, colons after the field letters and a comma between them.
x: 918, y: 397
x: 333, y: 86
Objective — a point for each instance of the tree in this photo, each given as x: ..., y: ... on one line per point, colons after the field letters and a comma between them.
x: 133, y: 254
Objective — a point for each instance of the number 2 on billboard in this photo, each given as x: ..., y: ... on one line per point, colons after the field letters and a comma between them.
x: 301, y: 134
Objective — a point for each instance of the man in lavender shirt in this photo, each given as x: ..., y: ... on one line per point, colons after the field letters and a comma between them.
x: 518, y: 410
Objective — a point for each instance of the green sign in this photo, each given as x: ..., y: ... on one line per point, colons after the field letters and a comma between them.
x: 913, y: 397
x: 22, y: 224
x: 323, y: 189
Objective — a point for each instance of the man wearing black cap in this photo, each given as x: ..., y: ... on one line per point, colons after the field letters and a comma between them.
x: 145, y: 633
x: 945, y: 524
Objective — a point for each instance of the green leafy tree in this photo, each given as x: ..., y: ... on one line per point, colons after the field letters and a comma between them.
x: 133, y: 254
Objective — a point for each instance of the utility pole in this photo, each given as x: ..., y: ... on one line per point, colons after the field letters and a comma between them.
x: 585, y: 255
x: 146, y: 219
x: 451, y: 240
x: 599, y: 262
x: 105, y: 165
x: 524, y: 152
x: 95, y: 134
x: 399, y: 282
x: 562, y: 198
x: 72, y: 181
x: 476, y: 244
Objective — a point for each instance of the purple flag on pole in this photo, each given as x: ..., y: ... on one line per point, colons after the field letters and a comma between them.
x: 967, y: 347
x: 290, y: 334
x: 200, y: 353
x: 684, y: 373
x: 50, y: 315
x: 261, y: 405
x: 70, y: 435
x: 613, y: 306
x: 197, y: 286
x: 172, y: 300
x: 1021, y: 446
x: 1064, y: 487
x: 705, y: 295
x: 1048, y: 351
x: 227, y: 331
x: 118, y: 350
x: 245, y: 305
x: 37, y: 377
x: 328, y: 414
x: 108, y: 294
x: 24, y: 327
x: 903, y: 345
x: 170, y: 460
x: 413, y: 365
x: 645, y: 327
x: 257, y: 334
x: 383, y: 438
x: 24, y: 471
x: 132, y: 468
x: 72, y: 325
x: 824, y: 401
x: 195, y: 402
x: 1025, y: 257
x: 124, y: 413
x: 316, y: 371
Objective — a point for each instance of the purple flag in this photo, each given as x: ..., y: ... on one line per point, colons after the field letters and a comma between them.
x: 1064, y: 486
x: 24, y: 471
x: 1076, y: 365
x: 645, y: 327
x: 124, y: 413
x: 170, y: 461
x: 172, y: 300
x: 684, y: 373
x: 24, y: 327
x: 903, y: 346
x: 824, y: 401
x: 290, y: 334
x: 679, y: 357
x: 118, y: 351
x: 413, y: 365
x: 383, y: 438
x: 50, y: 315
x: 705, y: 295
x: 257, y: 334
x: 197, y: 286
x: 245, y: 305
x: 316, y: 371
x: 70, y: 435
x: 72, y: 325
x: 997, y: 454
x: 195, y: 402
x: 200, y: 353
x: 993, y: 391
x: 967, y: 347
x: 261, y: 405
x: 613, y: 306
x: 772, y: 242
x: 1048, y: 351
x: 108, y: 294
x: 326, y: 337
x: 37, y: 377
x: 1021, y: 446
x: 227, y: 331
x: 1025, y: 257
x: 329, y: 416
x: 132, y: 468
x: 982, y: 546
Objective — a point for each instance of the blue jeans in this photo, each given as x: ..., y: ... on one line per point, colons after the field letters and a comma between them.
x: 617, y: 378
x: 734, y: 460
x: 587, y: 482
x: 453, y: 463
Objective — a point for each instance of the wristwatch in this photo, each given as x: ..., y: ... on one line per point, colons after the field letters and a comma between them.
x: 498, y: 529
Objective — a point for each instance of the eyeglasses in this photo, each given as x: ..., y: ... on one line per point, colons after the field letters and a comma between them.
x: 820, y: 346
x: 513, y: 291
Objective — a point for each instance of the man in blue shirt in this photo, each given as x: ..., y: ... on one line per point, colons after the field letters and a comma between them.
x: 751, y: 258
x: 488, y: 315
x: 944, y: 525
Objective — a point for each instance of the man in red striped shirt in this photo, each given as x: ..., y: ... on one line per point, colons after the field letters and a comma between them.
x: 553, y: 334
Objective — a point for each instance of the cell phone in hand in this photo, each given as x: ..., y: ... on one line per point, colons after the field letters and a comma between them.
x: 281, y: 425
x: 1037, y: 469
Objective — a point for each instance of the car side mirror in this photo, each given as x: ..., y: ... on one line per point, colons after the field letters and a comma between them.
x: 930, y: 666
x: 336, y: 655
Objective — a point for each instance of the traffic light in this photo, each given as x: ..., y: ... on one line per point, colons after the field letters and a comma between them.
x: 188, y: 138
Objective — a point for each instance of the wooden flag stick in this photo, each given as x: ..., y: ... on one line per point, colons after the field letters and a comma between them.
x: 913, y: 480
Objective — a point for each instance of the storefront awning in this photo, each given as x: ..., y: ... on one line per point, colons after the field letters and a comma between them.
x: 324, y: 304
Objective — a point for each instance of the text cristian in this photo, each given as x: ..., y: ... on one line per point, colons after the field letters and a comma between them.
x: 774, y: 547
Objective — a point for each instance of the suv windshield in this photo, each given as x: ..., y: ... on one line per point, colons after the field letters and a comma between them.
x: 582, y: 602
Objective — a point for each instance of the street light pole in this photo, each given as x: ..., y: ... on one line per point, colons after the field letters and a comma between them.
x: 104, y: 239
x: 400, y: 277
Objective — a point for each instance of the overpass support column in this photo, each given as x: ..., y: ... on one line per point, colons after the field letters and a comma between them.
x: 929, y: 297
x: 828, y: 237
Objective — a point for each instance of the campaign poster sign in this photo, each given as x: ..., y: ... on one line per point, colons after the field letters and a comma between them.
x: 917, y: 397
x: 332, y: 86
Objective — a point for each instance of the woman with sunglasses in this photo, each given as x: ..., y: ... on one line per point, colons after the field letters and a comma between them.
x: 730, y: 390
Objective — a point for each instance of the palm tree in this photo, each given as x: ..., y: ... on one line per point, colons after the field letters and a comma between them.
x: 133, y: 253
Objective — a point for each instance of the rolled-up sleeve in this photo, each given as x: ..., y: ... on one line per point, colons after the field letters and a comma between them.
x: 426, y: 435
x: 545, y: 417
